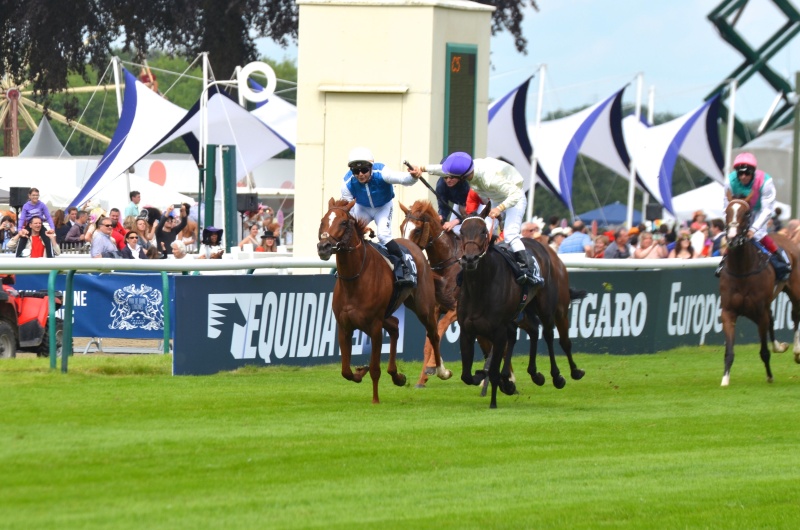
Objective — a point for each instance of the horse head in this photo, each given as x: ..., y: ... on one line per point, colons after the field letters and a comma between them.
x: 737, y: 222
x: 336, y: 229
x: 475, y: 238
x: 421, y: 225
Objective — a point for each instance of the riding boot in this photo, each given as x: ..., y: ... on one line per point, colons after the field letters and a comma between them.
x: 783, y: 267
x: 528, y: 271
x: 402, y: 274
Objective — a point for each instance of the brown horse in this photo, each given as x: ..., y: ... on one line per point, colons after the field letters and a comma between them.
x: 747, y: 287
x: 422, y: 226
x: 363, y: 295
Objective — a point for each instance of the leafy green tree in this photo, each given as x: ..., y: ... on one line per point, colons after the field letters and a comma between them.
x: 43, y: 40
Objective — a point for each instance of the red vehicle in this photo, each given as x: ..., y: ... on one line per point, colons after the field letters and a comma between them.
x: 24, y: 321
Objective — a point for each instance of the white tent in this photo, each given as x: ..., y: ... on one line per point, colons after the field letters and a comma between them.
x: 145, y: 116
x: 655, y: 150
x: 595, y: 131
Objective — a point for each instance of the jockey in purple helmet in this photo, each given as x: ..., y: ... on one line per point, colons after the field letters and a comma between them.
x: 370, y: 184
x: 501, y: 183
x: 758, y: 189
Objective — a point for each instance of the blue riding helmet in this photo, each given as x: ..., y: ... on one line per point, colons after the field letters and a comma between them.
x: 458, y: 164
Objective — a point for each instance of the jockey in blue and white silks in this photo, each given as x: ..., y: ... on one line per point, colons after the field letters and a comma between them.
x: 370, y: 184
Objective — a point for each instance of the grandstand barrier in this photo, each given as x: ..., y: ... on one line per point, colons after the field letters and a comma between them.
x: 229, y: 320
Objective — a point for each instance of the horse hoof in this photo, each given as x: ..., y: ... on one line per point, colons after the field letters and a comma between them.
x: 559, y: 382
x: 430, y: 370
x: 508, y: 388
x: 468, y: 380
x: 726, y: 380
x: 797, y: 358
x: 538, y: 379
x: 769, y: 379
x: 577, y: 374
x: 447, y: 375
x: 418, y: 385
x: 399, y: 380
x: 780, y: 347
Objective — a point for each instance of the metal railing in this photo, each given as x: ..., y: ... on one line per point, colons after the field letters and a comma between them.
x: 70, y: 265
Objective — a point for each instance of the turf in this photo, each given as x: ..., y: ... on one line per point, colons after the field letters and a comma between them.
x: 647, y: 441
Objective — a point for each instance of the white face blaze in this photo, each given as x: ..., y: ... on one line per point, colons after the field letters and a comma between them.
x: 408, y: 230
x: 733, y: 229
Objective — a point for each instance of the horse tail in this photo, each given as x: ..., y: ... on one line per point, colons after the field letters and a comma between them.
x: 575, y: 294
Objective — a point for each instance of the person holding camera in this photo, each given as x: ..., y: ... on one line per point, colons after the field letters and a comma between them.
x: 34, y: 242
x: 171, y: 224
x: 7, y: 230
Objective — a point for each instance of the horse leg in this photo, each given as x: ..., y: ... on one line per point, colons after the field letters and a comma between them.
x: 566, y: 346
x: 498, y: 345
x: 507, y: 382
x: 763, y: 329
x: 392, y: 327
x: 426, y: 359
x: 533, y: 336
x: 486, y: 349
x: 346, y: 350
x: 439, y: 369
x: 467, y: 343
x: 777, y: 347
x: 729, y: 330
x: 555, y: 373
x: 796, y: 322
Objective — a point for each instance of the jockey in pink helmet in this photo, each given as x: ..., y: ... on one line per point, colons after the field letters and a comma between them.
x: 758, y: 189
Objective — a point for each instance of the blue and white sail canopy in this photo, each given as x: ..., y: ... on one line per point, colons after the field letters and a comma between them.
x: 595, y: 132
x: 148, y: 121
x: 655, y: 150
x: 145, y: 116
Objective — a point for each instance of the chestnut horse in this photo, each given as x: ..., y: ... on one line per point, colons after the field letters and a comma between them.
x: 492, y: 304
x: 422, y: 226
x: 747, y: 286
x: 363, y: 295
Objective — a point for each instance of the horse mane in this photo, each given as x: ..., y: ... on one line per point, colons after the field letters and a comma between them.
x: 427, y: 208
x: 361, y: 224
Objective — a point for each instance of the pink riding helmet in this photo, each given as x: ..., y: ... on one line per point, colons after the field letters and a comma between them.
x: 745, y: 159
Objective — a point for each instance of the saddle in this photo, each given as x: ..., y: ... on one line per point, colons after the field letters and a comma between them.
x: 397, y: 267
x: 508, y: 255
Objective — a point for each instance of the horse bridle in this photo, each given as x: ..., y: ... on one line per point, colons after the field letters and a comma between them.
x: 741, y: 236
x: 465, y: 243
x: 432, y: 241
x: 340, y: 245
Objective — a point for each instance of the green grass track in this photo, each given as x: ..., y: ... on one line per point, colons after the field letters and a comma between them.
x: 646, y: 441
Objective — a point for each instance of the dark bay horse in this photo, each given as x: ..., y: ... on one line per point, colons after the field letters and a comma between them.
x: 363, y: 294
x: 492, y: 304
x: 747, y: 287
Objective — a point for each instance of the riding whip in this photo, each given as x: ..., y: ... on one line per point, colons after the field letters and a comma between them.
x: 458, y: 216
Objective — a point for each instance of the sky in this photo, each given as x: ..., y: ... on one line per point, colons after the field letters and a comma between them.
x: 592, y: 48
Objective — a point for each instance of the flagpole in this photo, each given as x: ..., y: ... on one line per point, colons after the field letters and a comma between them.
x: 632, y: 184
x: 731, y: 124
x: 651, y: 101
x: 534, y: 161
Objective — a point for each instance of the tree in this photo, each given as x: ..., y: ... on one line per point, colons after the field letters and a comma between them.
x: 42, y: 40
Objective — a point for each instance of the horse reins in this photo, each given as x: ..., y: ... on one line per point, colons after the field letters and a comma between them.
x: 431, y: 241
x: 465, y: 243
